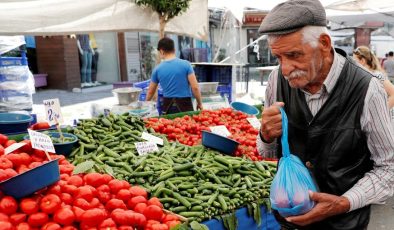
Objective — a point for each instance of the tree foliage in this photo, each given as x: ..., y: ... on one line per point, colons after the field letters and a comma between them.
x: 166, y: 9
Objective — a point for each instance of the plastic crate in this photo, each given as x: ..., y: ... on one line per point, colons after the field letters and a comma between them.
x: 13, y: 61
x: 225, y: 91
x: 201, y: 73
x: 142, y: 84
x: 40, y: 80
x: 122, y: 84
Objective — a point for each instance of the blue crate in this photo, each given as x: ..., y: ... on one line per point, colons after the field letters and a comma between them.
x: 142, y: 84
x: 159, y: 98
x: 13, y: 61
x: 225, y: 90
x: 201, y: 73
x: 221, y: 74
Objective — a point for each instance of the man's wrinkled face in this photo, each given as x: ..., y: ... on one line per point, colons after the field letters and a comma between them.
x: 300, y: 63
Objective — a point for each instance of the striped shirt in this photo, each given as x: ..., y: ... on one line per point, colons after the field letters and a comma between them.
x: 377, y: 185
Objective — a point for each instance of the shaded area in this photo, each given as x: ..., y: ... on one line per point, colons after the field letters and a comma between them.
x: 70, y: 98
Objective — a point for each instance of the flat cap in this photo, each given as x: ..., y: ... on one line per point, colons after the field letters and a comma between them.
x: 292, y: 15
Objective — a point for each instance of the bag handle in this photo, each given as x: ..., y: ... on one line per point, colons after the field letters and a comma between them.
x: 284, y: 138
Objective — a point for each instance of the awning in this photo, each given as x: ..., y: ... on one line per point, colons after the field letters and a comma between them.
x: 49, y: 17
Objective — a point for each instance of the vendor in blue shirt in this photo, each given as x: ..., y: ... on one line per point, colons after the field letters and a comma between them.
x: 177, y: 79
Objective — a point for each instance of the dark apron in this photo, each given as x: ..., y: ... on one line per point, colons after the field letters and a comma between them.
x: 176, y: 105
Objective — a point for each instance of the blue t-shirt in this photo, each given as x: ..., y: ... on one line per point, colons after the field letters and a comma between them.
x: 173, y: 77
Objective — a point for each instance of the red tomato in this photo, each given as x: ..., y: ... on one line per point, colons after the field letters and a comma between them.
x: 8, y: 205
x: 50, y: 203
x: 17, y: 218
x: 153, y: 212
x: 23, y: 226
x: 64, y: 216
x: 115, y: 204
x: 66, y: 198
x: 107, y: 223
x: 138, y: 191
x: 5, y: 163
x: 136, y: 200
x: 51, y: 226
x: 75, y: 180
x: 140, y: 208
x: 38, y: 219
x: 81, y: 203
x: 40, y: 125
x: 1, y: 150
x: 29, y: 206
x: 93, y: 216
x: 27, y: 147
x: 123, y: 194
x: 115, y: 185
x: 5, y: 225
x: 84, y: 192
x: 3, y: 139
x: 78, y: 213
x: 94, y: 179
x: 69, y: 228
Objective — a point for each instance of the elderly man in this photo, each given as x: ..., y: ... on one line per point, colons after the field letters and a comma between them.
x: 339, y: 123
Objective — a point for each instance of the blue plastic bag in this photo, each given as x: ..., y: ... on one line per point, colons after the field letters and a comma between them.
x: 289, y: 190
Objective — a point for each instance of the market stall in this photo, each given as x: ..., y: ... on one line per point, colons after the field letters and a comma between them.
x: 194, y: 185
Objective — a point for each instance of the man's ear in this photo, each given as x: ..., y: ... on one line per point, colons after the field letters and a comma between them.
x: 325, y: 42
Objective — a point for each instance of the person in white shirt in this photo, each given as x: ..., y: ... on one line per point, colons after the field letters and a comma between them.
x: 339, y: 125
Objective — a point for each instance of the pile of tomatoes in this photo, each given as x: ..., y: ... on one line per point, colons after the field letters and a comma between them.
x: 82, y: 201
x: 187, y: 129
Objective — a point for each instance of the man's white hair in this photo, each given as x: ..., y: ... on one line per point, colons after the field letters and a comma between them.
x: 311, y: 35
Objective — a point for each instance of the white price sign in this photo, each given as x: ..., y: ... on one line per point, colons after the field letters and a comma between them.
x: 150, y: 138
x: 41, y: 141
x: 13, y: 147
x: 144, y: 148
x: 253, y: 121
x: 220, y: 130
x: 53, y: 111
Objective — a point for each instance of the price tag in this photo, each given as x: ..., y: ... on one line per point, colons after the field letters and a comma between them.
x: 220, y: 130
x: 150, y: 138
x: 13, y: 147
x: 144, y: 148
x: 253, y: 121
x: 53, y: 111
x: 41, y: 141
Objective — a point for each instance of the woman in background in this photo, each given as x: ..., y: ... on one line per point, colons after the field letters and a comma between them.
x: 369, y: 61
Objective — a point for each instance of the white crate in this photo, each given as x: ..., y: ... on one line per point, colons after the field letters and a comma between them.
x: 208, y: 87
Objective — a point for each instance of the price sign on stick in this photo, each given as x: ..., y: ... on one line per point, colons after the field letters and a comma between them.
x: 220, y: 130
x: 254, y: 122
x: 145, y: 147
x: 150, y: 138
x: 53, y: 111
x: 41, y: 141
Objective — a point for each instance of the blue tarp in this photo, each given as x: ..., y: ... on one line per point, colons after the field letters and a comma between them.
x: 246, y: 222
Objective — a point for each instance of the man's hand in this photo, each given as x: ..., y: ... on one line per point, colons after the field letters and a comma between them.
x: 199, y: 107
x: 271, y: 122
x: 326, y: 205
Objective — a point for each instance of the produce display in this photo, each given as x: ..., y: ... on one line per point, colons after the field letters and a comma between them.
x: 107, y: 138
x: 106, y: 184
x: 187, y: 129
x: 194, y: 182
x: 81, y: 201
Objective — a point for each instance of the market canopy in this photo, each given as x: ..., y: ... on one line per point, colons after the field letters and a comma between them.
x: 335, y: 9
x: 49, y: 17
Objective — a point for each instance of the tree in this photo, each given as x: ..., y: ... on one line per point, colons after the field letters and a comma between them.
x: 166, y: 9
